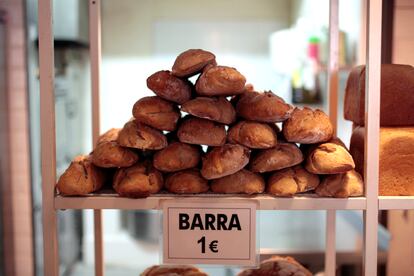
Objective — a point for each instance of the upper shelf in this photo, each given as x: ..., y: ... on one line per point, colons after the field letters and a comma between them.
x: 304, y: 202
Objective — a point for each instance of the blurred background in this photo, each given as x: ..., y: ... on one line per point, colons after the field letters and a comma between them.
x: 279, y: 45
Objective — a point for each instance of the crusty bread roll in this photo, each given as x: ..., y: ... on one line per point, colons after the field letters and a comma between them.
x: 201, y: 132
x: 192, y: 62
x: 241, y: 182
x: 169, y: 87
x: 217, y: 109
x: 140, y: 180
x: 186, y: 182
x: 341, y: 185
x: 110, y: 135
x: 81, y: 177
x: 282, y: 156
x: 111, y: 155
x: 173, y: 270
x: 224, y: 160
x: 277, y: 266
x: 396, y: 159
x: 140, y: 136
x: 220, y: 81
x: 253, y: 135
x: 290, y: 181
x: 329, y: 158
x: 263, y: 107
x: 307, y: 126
x: 177, y: 156
x: 397, y: 99
x: 157, y: 113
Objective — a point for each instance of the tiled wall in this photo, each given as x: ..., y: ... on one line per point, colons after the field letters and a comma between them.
x: 16, y: 188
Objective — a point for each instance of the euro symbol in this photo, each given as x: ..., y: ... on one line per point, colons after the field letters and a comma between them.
x: 213, y: 246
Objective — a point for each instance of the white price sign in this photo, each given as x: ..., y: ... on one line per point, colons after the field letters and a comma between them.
x: 205, y: 232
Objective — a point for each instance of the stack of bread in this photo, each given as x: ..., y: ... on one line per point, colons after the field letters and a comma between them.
x: 396, y: 152
x: 161, y: 147
x: 274, y: 266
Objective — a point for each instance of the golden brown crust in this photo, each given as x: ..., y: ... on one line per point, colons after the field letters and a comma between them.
x: 290, y: 181
x: 140, y: 180
x: 112, y: 155
x: 192, y: 62
x: 169, y: 87
x: 220, y: 81
x: 217, y: 109
x: 157, y: 113
x: 329, y: 158
x: 396, y: 159
x: 81, y: 177
x: 263, y: 107
x: 282, y: 156
x: 397, y: 99
x: 201, y: 132
x: 140, y: 136
x: 241, y: 182
x: 278, y: 266
x: 341, y: 185
x: 253, y: 135
x: 173, y: 270
x: 177, y: 156
x: 224, y: 160
x: 110, y: 135
x: 307, y: 126
x: 186, y: 182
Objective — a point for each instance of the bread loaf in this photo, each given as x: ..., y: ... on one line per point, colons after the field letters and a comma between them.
x: 290, y: 181
x: 241, y: 182
x: 186, y: 182
x: 140, y: 180
x: 173, y: 270
x: 282, y: 156
x: 277, y: 266
x: 81, y: 177
x: 157, y: 113
x: 396, y: 159
x: 224, y: 160
x: 253, y: 135
x: 111, y: 155
x: 220, y: 81
x: 397, y: 97
x: 214, y: 109
x: 169, y: 87
x: 329, y: 158
x: 263, y: 107
x: 307, y: 126
x: 192, y: 62
x: 110, y: 135
x: 138, y: 135
x: 198, y: 131
x: 341, y: 185
x: 177, y: 156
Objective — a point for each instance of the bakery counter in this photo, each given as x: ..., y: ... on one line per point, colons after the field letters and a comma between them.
x: 111, y: 200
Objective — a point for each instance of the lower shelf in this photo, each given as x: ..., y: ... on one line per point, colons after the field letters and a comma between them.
x: 303, y: 202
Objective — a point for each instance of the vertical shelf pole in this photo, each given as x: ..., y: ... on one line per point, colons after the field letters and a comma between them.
x: 372, y: 127
x: 333, y: 68
x: 48, y: 140
x: 95, y: 56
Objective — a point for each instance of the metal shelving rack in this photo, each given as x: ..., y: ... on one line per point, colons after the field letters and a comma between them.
x: 370, y: 204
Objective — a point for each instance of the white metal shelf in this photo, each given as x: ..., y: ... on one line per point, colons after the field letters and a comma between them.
x: 266, y: 202
x: 396, y: 202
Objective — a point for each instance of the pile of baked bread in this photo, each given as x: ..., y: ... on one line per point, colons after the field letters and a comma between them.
x: 274, y: 266
x: 256, y: 141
